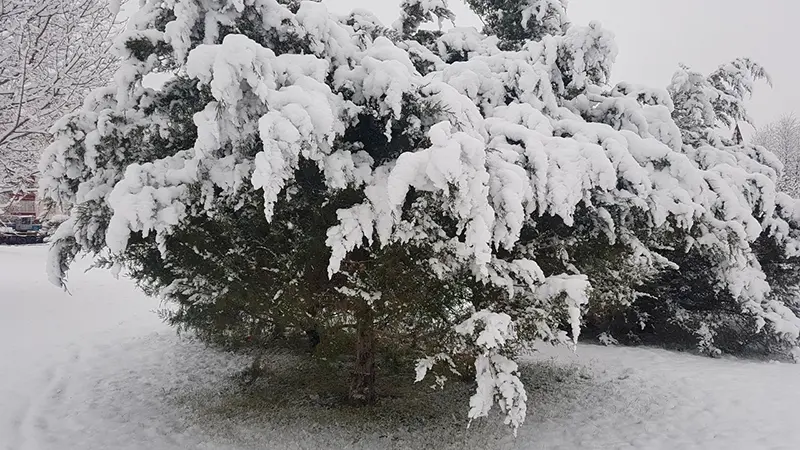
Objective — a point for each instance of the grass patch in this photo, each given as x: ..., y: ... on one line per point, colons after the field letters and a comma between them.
x: 298, y: 394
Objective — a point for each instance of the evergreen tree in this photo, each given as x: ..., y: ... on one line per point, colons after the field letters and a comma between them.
x: 516, y: 22
x: 712, y: 304
x: 455, y: 194
x: 708, y: 297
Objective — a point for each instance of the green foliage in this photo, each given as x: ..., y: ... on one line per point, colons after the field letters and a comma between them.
x: 515, y: 22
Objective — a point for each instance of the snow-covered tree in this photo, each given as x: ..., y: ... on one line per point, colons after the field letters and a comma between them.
x: 782, y: 138
x: 709, y: 293
x: 707, y: 104
x: 753, y: 172
x: 53, y: 54
x: 516, y: 22
x: 456, y: 194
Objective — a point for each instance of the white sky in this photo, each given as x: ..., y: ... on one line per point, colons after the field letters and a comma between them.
x: 654, y: 36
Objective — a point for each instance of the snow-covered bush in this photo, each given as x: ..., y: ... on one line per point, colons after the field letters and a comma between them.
x: 451, y: 194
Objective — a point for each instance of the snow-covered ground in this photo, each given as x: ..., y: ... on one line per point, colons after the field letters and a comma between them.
x: 98, y: 370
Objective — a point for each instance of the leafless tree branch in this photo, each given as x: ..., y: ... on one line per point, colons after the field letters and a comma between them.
x: 53, y: 54
x: 783, y: 139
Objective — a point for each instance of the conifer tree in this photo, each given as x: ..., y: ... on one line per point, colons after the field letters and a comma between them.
x: 707, y: 297
x: 458, y: 194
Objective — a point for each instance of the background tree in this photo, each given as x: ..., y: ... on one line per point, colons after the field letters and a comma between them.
x: 698, y: 300
x: 455, y: 195
x: 782, y: 138
x: 518, y: 22
x: 53, y: 54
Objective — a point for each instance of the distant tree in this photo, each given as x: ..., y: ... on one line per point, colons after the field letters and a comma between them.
x: 53, y: 54
x: 782, y: 138
x: 455, y: 196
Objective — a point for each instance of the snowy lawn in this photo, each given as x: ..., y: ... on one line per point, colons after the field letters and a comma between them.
x: 98, y: 370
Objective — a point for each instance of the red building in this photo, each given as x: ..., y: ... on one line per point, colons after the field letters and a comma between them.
x: 19, y: 204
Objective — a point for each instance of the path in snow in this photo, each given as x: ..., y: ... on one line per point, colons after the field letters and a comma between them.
x: 45, y: 335
x: 98, y: 370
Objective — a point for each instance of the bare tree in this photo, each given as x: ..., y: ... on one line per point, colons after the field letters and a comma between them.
x: 783, y: 138
x: 52, y: 52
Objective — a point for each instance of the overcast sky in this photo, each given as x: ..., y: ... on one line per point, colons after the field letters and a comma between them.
x: 654, y: 36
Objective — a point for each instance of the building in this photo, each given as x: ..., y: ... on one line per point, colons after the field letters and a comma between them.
x: 20, y: 204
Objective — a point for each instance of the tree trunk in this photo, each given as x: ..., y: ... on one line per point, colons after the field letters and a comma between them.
x: 362, y: 387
